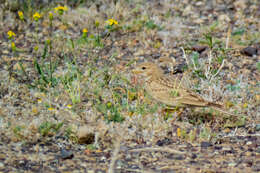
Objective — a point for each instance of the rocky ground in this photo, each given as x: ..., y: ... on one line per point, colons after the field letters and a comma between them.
x: 69, y: 103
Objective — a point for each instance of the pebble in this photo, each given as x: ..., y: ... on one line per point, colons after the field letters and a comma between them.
x: 205, y: 144
x: 193, y: 156
x: 258, y: 150
x: 199, y: 48
x: 257, y: 127
x: 249, y: 51
x: 65, y: 154
x: 165, y: 141
x: 2, y: 165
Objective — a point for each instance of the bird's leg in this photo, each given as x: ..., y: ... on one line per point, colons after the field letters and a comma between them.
x: 166, y: 112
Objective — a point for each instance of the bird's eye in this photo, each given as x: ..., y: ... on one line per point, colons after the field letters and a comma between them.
x: 143, y: 68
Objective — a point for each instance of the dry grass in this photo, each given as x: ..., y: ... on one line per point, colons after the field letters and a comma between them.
x: 56, y: 79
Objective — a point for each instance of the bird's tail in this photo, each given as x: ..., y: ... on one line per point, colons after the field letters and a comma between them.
x: 216, y: 105
x: 220, y: 108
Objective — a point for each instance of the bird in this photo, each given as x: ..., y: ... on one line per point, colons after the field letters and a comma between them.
x: 171, y: 91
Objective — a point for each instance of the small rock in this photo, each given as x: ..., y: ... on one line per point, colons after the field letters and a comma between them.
x: 258, y: 49
x: 100, y: 171
x: 65, y: 154
x: 199, y: 48
x: 232, y: 164
x: 156, y: 55
x: 258, y: 150
x: 193, y: 156
x: 176, y: 157
x: 165, y: 141
x: 2, y: 165
x: 249, y: 51
x: 256, y: 168
x: 257, y: 127
x: 228, y: 149
x: 86, y: 135
x: 205, y: 144
x: 249, y: 143
x: 218, y: 147
x: 223, y: 18
x: 179, y: 68
x: 105, y: 34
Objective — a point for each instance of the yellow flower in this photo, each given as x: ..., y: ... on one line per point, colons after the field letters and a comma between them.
x: 11, y: 34
x: 50, y: 109
x: 60, y: 9
x: 111, y: 22
x: 96, y: 23
x: 178, y: 132
x: 35, y: 110
x: 36, y: 16
x: 20, y: 14
x: 85, y: 30
x: 69, y: 106
x: 39, y: 100
x: 36, y: 48
x: 50, y: 15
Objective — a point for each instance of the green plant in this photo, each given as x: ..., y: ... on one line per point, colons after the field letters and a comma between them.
x: 45, y: 69
x: 18, y: 131
x: 240, y: 122
x: 48, y: 128
x: 258, y: 66
x: 238, y: 31
x: 71, y: 81
x: 70, y: 134
x: 91, y: 147
x: 216, y: 58
x: 234, y: 87
x: 151, y: 25
x: 206, y: 134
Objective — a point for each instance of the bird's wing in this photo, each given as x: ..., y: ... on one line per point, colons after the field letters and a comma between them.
x: 172, y: 93
x: 160, y: 93
x: 189, y: 98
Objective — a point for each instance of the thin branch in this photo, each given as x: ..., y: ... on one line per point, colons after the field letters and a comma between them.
x: 220, y: 68
x: 184, y: 55
x: 114, y: 157
x: 209, y: 66
x: 152, y: 149
x: 228, y: 37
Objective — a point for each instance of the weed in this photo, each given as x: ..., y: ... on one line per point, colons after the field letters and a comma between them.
x: 258, y: 66
x: 235, y: 87
x: 18, y: 131
x: 45, y: 70
x: 49, y: 128
x: 151, y: 25
x: 206, y: 134
x: 71, y: 81
x: 70, y: 134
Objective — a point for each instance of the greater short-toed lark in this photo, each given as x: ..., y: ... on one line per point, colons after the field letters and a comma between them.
x: 170, y: 91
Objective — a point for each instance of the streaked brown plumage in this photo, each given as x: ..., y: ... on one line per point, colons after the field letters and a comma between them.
x: 170, y: 91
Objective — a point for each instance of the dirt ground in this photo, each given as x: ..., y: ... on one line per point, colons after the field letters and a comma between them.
x: 69, y: 102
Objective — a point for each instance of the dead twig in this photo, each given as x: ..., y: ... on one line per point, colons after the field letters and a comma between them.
x: 152, y: 149
x: 114, y: 157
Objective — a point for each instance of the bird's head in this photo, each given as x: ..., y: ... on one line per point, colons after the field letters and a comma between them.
x: 148, y: 70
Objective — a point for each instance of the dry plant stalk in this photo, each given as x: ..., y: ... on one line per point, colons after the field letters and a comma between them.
x: 114, y: 156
